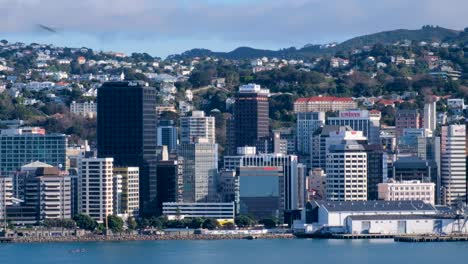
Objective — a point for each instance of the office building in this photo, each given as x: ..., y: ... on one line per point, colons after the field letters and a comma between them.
x: 407, y: 191
x: 127, y: 186
x: 414, y: 169
x: 346, y: 172
x: 294, y: 173
x: 221, y: 212
x: 200, y: 169
x: 6, y: 195
x: 230, y: 147
x: 319, y: 145
x: 96, y: 188
x: 126, y: 131
x: 414, y: 142
x: 20, y: 177
x: 232, y: 163
x: 453, y: 157
x: 430, y: 116
x: 285, y: 141
x: 323, y: 104
x: 316, y: 185
x: 261, y: 191
x: 251, y: 117
x: 170, y: 181
x: 229, y: 187
x: 360, y: 120
x: 167, y: 135
x: 377, y: 169
x: 406, y: 119
x: 306, y: 125
x: 197, y: 126
x: 117, y: 195
x: 49, y: 191
x: 24, y: 145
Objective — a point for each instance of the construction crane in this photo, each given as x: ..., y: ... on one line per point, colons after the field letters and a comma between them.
x: 461, y: 218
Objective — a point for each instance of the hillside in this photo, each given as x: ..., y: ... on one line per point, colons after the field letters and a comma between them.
x: 426, y: 33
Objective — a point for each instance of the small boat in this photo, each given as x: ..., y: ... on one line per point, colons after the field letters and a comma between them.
x: 250, y: 237
x: 79, y: 250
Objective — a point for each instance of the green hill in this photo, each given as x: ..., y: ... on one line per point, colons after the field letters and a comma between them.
x: 426, y: 33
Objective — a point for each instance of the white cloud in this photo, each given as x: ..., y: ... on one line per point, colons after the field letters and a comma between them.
x: 261, y: 21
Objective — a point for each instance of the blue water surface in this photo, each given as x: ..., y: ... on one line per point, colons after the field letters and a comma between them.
x: 236, y: 252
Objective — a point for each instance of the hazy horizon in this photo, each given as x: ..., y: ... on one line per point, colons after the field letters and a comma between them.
x: 161, y: 28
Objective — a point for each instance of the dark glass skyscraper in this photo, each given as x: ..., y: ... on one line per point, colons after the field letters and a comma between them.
x: 251, y: 120
x: 126, y: 131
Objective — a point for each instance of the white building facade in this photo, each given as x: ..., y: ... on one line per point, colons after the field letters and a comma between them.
x: 197, y: 126
x: 86, y: 109
x: 407, y: 191
x: 453, y: 169
x: 95, y: 188
x: 346, y: 172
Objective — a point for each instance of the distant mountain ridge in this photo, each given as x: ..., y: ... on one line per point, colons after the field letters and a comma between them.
x: 426, y: 33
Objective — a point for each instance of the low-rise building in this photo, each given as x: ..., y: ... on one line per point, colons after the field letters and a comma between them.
x: 407, y: 191
x: 219, y: 211
x: 86, y: 109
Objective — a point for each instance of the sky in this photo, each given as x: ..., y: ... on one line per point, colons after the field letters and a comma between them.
x: 164, y: 27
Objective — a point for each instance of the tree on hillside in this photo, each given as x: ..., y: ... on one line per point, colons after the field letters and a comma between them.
x: 199, y: 79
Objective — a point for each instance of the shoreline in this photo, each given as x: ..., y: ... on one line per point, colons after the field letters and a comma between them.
x: 122, y: 238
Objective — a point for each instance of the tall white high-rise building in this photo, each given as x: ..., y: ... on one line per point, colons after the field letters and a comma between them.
x: 197, y: 126
x: 430, y: 116
x: 306, y: 124
x: 346, y: 172
x: 453, y: 156
x: 96, y: 188
x: 200, y: 169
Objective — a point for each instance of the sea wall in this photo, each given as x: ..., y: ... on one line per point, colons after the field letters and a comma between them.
x: 124, y: 237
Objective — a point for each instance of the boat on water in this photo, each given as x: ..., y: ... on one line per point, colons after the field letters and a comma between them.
x: 79, y: 250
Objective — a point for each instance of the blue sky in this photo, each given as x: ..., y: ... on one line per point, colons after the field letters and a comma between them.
x: 163, y: 27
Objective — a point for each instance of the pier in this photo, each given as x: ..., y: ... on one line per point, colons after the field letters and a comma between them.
x: 6, y: 240
x: 361, y: 236
x: 430, y: 238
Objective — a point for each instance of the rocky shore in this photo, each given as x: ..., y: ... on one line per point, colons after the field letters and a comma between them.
x: 99, y: 238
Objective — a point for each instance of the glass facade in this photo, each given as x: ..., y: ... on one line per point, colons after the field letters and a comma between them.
x: 19, y: 150
x: 126, y: 131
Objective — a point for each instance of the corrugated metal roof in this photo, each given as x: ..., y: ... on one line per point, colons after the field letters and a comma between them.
x: 373, y: 206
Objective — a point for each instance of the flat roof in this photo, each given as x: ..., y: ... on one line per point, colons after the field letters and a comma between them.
x: 400, y: 217
x: 373, y: 206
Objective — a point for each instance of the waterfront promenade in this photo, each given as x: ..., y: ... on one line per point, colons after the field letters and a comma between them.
x: 125, y: 237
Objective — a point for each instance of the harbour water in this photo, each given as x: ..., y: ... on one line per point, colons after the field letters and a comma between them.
x: 235, y: 252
